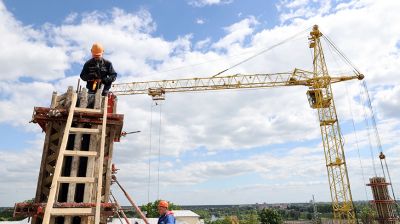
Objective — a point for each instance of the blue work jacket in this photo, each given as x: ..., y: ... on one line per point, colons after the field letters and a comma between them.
x: 167, y: 218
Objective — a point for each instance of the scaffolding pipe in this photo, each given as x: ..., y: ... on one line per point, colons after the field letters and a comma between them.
x: 120, y: 210
x: 131, y: 201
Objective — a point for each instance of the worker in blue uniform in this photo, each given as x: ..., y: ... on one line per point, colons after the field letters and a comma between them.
x: 166, y: 216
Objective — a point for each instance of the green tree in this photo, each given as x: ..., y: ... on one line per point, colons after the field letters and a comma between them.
x: 270, y: 216
x: 151, y: 210
x: 309, y: 216
x: 294, y: 214
x: 251, y: 218
x: 225, y: 220
x: 367, y: 215
x: 204, y: 214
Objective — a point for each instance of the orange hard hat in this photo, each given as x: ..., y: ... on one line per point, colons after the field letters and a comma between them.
x: 97, y: 50
x: 163, y: 204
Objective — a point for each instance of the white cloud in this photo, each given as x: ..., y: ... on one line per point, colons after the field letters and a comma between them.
x: 236, y: 33
x: 291, y: 9
x: 200, y: 21
x: 72, y: 17
x: 25, y: 52
x: 202, y: 44
x: 239, y: 121
x: 202, y: 3
x: 16, y: 109
x: 388, y: 101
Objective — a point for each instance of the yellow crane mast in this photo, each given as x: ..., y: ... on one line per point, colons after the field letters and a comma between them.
x: 319, y: 96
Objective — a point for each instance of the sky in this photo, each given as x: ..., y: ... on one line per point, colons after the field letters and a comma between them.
x: 227, y: 147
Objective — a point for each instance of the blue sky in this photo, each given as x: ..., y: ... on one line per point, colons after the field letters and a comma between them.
x: 225, y: 147
x: 173, y: 19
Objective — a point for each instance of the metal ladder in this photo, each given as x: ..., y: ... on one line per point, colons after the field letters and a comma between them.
x: 98, y: 154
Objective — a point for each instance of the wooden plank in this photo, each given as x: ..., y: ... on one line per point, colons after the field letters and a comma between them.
x: 110, y: 139
x: 97, y: 99
x: 43, y: 164
x: 53, y: 100
x: 87, y: 110
x: 80, y: 153
x: 59, y: 163
x: 84, y: 130
x: 93, y: 146
x: 71, y: 211
x: 76, y: 180
x: 101, y: 162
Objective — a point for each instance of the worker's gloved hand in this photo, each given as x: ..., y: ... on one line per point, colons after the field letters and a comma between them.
x: 108, y: 79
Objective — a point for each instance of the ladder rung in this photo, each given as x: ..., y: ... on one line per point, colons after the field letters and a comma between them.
x: 72, y: 211
x: 80, y: 153
x: 84, y: 130
x: 87, y: 110
x: 76, y: 179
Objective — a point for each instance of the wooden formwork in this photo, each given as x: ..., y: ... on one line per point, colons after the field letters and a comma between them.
x: 384, y: 205
x: 53, y: 120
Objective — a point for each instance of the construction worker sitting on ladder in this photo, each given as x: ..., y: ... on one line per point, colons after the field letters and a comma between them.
x: 166, y: 217
x: 98, y: 71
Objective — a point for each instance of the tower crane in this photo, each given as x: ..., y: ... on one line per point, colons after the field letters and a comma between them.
x: 319, y: 95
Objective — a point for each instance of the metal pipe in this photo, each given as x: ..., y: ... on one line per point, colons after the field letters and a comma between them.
x: 119, y: 208
x: 131, y: 201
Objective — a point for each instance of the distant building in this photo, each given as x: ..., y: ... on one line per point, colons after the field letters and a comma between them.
x: 262, y: 206
x: 186, y: 217
x: 282, y: 206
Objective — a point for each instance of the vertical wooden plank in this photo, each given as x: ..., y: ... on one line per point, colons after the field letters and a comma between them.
x: 93, y: 146
x: 101, y: 161
x: 43, y: 163
x: 91, y: 170
x: 108, y: 162
x: 60, y: 158
x: 52, y: 220
x: 53, y: 100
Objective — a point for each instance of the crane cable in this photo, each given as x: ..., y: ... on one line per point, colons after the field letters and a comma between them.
x: 357, y: 142
x: 159, y: 155
x: 362, y: 98
x: 346, y: 59
x: 363, y: 95
x: 150, y: 151
x: 367, y: 98
x: 378, y: 140
x: 263, y: 51
x: 150, y: 145
x: 373, y: 119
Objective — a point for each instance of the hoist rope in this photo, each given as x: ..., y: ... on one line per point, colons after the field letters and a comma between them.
x: 159, y: 155
x: 150, y: 145
x: 365, y: 98
x: 150, y: 151
x: 263, y: 51
x: 357, y: 142
x: 362, y: 98
x: 378, y: 139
